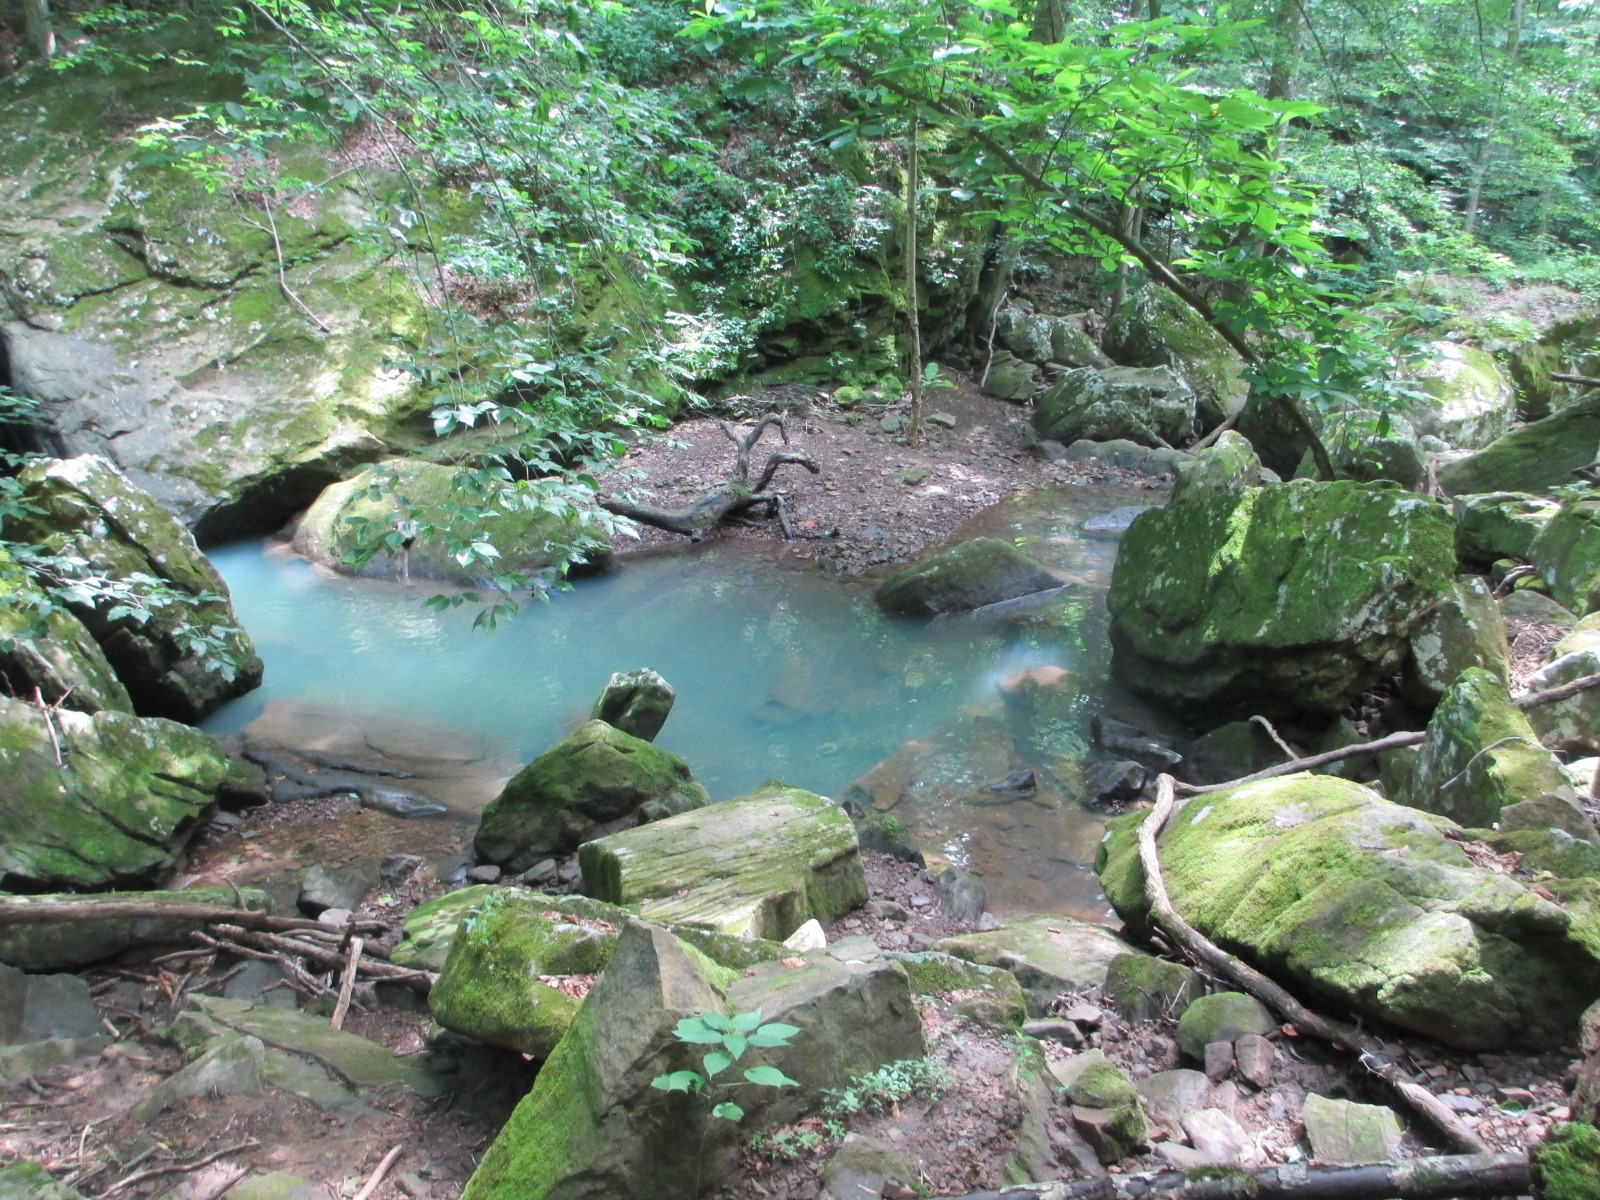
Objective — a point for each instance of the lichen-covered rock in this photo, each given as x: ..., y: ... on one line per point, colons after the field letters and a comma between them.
x: 1145, y: 988
x: 1048, y: 954
x: 1041, y: 338
x: 1535, y: 458
x: 87, y: 509
x: 1229, y: 462
x: 1151, y: 406
x: 1009, y: 378
x: 48, y: 648
x: 1154, y: 328
x: 1221, y: 1017
x: 1366, y: 905
x: 1283, y: 600
x: 596, y: 775
x: 636, y: 702
x: 389, y: 497
x: 1463, y: 630
x: 760, y: 865
x: 997, y: 1000
x: 1107, y: 1110
x: 67, y: 944
x: 1571, y: 726
x: 114, y: 809
x: 1471, y: 403
x: 1495, y: 525
x: 1567, y: 555
x: 968, y: 575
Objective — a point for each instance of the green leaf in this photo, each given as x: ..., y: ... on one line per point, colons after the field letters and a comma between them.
x: 678, y: 1081
x: 775, y: 1034
x: 716, y: 1063
x: 769, y: 1077
x: 745, y: 1022
x: 716, y: 1021
x: 728, y: 1111
x: 735, y: 1043
x: 696, y: 1032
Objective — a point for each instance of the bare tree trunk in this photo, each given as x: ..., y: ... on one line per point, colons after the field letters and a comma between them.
x: 36, y: 22
x: 1480, y: 168
x: 1133, y: 226
x: 913, y: 318
x: 1289, y: 28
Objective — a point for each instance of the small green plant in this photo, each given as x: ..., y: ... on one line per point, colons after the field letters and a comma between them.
x: 886, y: 1087
x: 733, y: 1036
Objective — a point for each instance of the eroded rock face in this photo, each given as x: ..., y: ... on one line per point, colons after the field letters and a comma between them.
x: 1150, y: 406
x: 1368, y: 905
x: 1472, y: 403
x: 88, y: 510
x: 968, y: 575
x: 1285, y: 599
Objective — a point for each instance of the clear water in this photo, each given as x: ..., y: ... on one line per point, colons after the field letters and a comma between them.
x: 780, y: 672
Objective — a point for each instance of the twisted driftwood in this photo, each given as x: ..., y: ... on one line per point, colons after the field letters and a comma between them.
x: 728, y: 499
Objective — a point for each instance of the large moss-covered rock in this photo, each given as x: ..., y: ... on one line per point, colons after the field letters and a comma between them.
x: 393, y: 495
x: 1285, y: 599
x: 58, y: 945
x: 23, y: 1180
x: 1470, y: 403
x: 1040, y: 338
x: 1229, y: 462
x: 968, y: 575
x: 47, y: 648
x: 760, y: 865
x: 430, y: 928
x: 1571, y: 726
x: 1366, y: 905
x: 1221, y: 1017
x: 1010, y: 378
x: 1156, y: 329
x: 1150, y: 406
x: 115, y: 809
x: 1535, y: 458
x: 1465, y: 629
x: 1567, y: 555
x: 1107, y: 1110
x: 596, y: 775
x: 1049, y: 955
x: 1495, y: 525
x: 87, y: 509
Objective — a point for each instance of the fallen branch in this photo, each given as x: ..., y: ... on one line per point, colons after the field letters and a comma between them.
x: 348, y: 983
x: 283, y: 275
x: 384, y: 972
x: 377, y: 1175
x: 1206, y: 952
x: 128, y: 1181
x: 1468, y: 1176
x: 25, y: 910
x: 1587, y: 380
x: 1553, y: 695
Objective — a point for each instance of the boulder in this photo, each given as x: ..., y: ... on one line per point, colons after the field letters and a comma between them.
x: 37, y: 1008
x: 86, y: 508
x: 1283, y: 600
x: 1566, y: 553
x: 23, y: 1180
x: 64, y: 945
x: 1366, y: 905
x: 998, y: 1001
x: 1480, y: 756
x: 1169, y: 1095
x: 1495, y: 525
x: 1345, y: 1134
x: 968, y: 575
x: 1154, y: 328
x: 1524, y: 602
x: 635, y: 702
x: 596, y: 775
x: 397, y: 496
x: 231, y: 1066
x: 1040, y: 338
x: 1223, y: 1017
x: 1124, y: 455
x: 1229, y: 462
x: 864, y: 1166
x: 46, y: 648
x: 1143, y: 988
x: 1397, y: 456
x: 1463, y: 630
x: 1107, y: 1111
x: 1150, y: 406
x: 323, y: 887
x: 1535, y: 458
x: 760, y: 865
x: 594, y: 1126
x: 1470, y: 403
x: 1230, y: 752
x: 1571, y: 726
x: 1010, y: 378
x: 114, y: 806
x: 429, y: 929
x: 1049, y: 955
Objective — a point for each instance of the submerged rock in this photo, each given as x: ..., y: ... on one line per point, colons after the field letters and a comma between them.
x: 596, y: 775
x: 968, y: 575
x: 1149, y: 406
x: 1535, y: 458
x: 1284, y: 600
x: 1367, y: 905
x: 636, y: 702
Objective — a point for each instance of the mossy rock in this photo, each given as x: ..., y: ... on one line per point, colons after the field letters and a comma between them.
x: 429, y: 928
x: 409, y: 492
x: 54, y: 653
x: 1229, y: 462
x: 595, y: 775
x: 760, y: 865
x: 968, y: 575
x: 1221, y: 1017
x: 1144, y: 988
x: 1151, y: 406
x: 998, y: 1001
x: 1462, y: 631
x: 1108, y: 1112
x: 1567, y: 555
x: 1566, y: 1163
x: 1496, y: 525
x: 1048, y: 954
x: 1536, y: 458
x: 1154, y: 328
x: 1367, y: 906
x: 23, y: 1180
x: 1470, y: 402
x: 1571, y: 726
x: 1281, y: 600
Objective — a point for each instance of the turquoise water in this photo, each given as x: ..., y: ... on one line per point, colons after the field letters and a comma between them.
x: 780, y: 672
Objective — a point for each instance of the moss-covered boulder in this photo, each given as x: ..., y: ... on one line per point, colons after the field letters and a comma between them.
x: 1040, y: 338
x: 1495, y: 525
x: 23, y: 1180
x: 594, y: 776
x: 112, y: 807
x: 1571, y: 726
x: 392, y: 497
x: 430, y: 928
x: 1535, y: 458
x: 1566, y: 1163
x: 1229, y: 462
x: 1151, y: 406
x: 1365, y: 905
x: 968, y: 575
x: 1283, y: 600
x: 1463, y: 630
x: 636, y: 702
x: 1154, y: 328
x: 85, y: 508
x: 1010, y: 378
x: 1107, y: 1110
x: 45, y: 945
x: 1221, y: 1017
x: 1470, y: 403
x: 760, y: 865
x: 995, y: 998
x: 1567, y: 555
x: 1144, y: 988
x: 1049, y: 955
x: 47, y: 648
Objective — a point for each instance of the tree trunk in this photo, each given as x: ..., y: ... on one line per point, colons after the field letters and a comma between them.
x: 913, y: 318
x: 36, y: 23
x: 1289, y: 28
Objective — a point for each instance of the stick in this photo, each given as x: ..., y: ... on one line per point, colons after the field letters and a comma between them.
x: 49, y: 724
x: 24, y: 910
x: 128, y: 1181
x: 1272, y: 733
x: 348, y: 983
x: 1564, y: 692
x: 1209, y: 954
x: 283, y: 278
x: 377, y: 1175
x: 420, y: 981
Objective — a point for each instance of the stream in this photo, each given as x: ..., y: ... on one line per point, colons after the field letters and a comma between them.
x: 780, y: 672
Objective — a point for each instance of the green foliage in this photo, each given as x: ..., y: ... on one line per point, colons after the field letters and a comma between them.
x: 886, y: 1087
x: 733, y: 1036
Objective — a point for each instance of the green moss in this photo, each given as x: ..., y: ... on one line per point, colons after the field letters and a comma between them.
x: 1566, y: 1164
x: 1536, y: 458
x: 1566, y: 554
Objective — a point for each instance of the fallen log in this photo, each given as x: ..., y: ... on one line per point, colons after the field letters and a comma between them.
x: 1206, y: 952
x: 22, y: 910
x: 1467, y: 1176
x: 728, y: 499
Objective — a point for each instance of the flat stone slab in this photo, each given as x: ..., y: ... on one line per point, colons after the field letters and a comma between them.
x: 1048, y: 954
x: 1343, y: 1133
x: 758, y: 866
